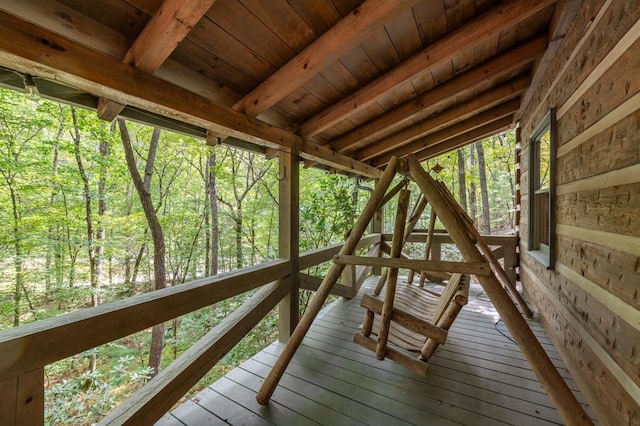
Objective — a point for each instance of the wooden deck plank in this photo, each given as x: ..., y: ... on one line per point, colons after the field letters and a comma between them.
x: 246, y: 397
x: 225, y: 408
x: 489, y: 407
x: 377, y: 406
x: 191, y: 413
x: 480, y: 377
x: 169, y: 420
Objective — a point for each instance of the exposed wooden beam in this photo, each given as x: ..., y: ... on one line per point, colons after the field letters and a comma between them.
x: 164, y: 32
x: 477, y: 120
x: 351, y: 31
x: 56, y: 16
x: 466, y: 138
x: 108, y: 110
x: 488, y: 25
x: 159, y: 38
x: 458, y: 113
x: 29, y: 48
x: 489, y: 70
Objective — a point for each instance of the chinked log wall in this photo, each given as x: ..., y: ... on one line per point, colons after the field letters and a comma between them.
x: 590, y: 302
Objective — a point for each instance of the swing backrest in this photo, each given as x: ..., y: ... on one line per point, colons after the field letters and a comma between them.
x: 456, y: 289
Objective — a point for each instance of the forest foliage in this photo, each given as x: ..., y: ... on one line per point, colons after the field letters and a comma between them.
x: 74, y: 233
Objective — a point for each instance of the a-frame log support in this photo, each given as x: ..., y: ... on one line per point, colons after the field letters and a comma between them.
x: 560, y: 394
x: 274, y: 376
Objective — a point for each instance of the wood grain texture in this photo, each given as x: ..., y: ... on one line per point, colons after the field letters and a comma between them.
x: 486, y: 26
x: 446, y: 118
x: 343, y: 37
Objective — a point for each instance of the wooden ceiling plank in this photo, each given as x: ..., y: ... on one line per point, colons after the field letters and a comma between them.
x: 31, y: 49
x: 506, y: 109
x: 487, y: 71
x: 328, y: 48
x: 466, y: 138
x: 487, y: 100
x: 488, y: 25
x: 162, y: 34
x: 166, y: 29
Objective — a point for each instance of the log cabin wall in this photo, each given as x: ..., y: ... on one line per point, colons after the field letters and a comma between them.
x: 589, y: 300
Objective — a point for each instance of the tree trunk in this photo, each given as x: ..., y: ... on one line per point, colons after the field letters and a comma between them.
x: 86, y: 193
x: 473, y: 208
x: 18, y: 260
x: 103, y: 149
x: 143, y: 187
x: 484, y: 192
x: 212, y: 191
x: 462, y: 188
x: 238, y: 234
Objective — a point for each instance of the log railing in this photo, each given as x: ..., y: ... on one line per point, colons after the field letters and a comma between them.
x: 352, y: 277
x: 27, y: 349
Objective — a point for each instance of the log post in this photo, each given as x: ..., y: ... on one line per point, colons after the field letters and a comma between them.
x: 288, y: 241
x: 22, y: 399
x: 392, y: 274
x: 486, y: 250
x: 560, y: 394
x: 429, y: 244
x: 274, y: 376
x: 419, y: 207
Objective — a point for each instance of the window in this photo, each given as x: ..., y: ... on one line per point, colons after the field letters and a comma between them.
x: 542, y: 153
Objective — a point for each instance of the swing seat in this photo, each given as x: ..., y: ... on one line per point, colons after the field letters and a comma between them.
x: 420, y: 320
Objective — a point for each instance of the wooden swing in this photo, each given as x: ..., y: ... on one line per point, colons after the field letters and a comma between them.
x: 490, y: 275
x: 408, y: 316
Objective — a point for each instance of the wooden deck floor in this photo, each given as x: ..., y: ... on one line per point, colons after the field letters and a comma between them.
x: 479, y: 377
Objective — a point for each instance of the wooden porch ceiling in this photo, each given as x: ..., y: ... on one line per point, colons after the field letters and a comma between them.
x: 345, y: 83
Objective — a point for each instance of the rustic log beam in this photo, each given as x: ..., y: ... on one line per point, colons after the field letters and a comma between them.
x: 488, y: 25
x: 157, y: 397
x: 486, y: 250
x: 330, y: 279
x: 428, y: 245
x: 159, y: 38
x: 339, y: 40
x: 392, y: 274
x: 506, y: 109
x: 488, y: 71
x: 492, y: 98
x: 31, y: 49
x: 418, y: 208
x: 482, y: 268
x: 560, y: 394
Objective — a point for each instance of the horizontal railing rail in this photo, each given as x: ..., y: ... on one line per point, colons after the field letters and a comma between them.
x: 40, y: 343
x: 27, y: 349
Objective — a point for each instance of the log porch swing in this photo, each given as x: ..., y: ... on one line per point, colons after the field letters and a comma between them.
x: 414, y: 318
